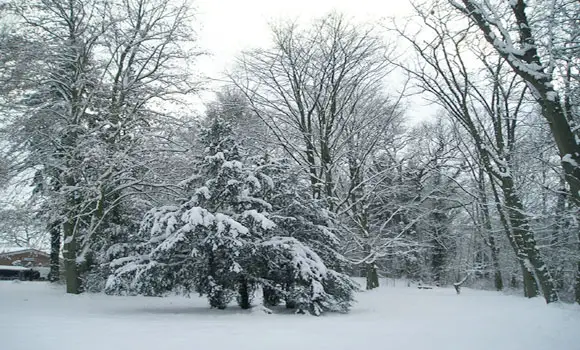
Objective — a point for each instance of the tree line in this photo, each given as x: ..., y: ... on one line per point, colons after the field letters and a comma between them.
x: 305, y: 168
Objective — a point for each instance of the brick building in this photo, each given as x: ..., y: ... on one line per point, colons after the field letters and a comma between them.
x: 26, y: 257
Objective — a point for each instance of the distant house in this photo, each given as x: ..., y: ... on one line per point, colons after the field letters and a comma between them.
x: 14, y: 259
x: 21, y: 256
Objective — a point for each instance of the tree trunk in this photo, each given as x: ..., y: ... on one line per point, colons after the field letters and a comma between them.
x: 326, y: 167
x: 372, y: 276
x: 438, y: 262
x: 270, y: 296
x: 530, y: 285
x: 54, y: 274
x: 577, y: 285
x: 525, y: 238
x: 314, y: 179
x: 497, y: 278
x: 439, y: 251
x: 72, y: 276
x: 216, y: 294
x: 290, y: 302
x: 244, y: 294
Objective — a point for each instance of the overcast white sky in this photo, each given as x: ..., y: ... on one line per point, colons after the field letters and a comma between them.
x: 229, y: 26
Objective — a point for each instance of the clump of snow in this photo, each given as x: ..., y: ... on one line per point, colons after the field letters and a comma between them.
x: 552, y: 96
x: 254, y: 182
x: 219, y: 156
x: 268, y: 180
x: 197, y: 216
x: 233, y: 164
x: 203, y: 191
x: 266, y: 223
x: 224, y: 221
x: 569, y: 159
x: 305, y: 261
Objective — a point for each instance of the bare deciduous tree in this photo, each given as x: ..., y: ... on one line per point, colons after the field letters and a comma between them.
x: 308, y: 88
x: 507, y: 27
x: 490, y: 116
x: 92, y: 106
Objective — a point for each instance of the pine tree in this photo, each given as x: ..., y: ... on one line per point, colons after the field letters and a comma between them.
x: 206, y: 242
x: 227, y: 240
x: 302, y: 260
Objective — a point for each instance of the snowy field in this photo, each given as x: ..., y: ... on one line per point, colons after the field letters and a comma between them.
x: 35, y: 315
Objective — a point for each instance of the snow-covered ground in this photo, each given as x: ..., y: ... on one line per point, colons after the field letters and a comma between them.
x: 35, y: 315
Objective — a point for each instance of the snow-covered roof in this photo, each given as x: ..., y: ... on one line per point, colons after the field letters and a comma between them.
x: 14, y: 268
x: 12, y: 250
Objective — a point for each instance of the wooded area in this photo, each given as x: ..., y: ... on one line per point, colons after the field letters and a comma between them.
x: 307, y: 167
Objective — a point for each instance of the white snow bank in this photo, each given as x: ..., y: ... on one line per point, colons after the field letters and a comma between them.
x: 37, y: 315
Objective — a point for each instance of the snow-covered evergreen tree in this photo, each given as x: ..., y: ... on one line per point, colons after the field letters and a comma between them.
x: 225, y: 241
x: 303, y: 257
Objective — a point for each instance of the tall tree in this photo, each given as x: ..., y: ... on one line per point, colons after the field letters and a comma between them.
x: 308, y: 86
x: 103, y: 71
x: 490, y: 117
x: 512, y: 29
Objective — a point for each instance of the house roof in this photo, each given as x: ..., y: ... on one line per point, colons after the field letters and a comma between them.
x: 17, y: 250
x: 12, y: 249
x: 14, y: 268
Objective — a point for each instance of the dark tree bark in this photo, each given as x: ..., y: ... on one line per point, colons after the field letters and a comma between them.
x: 244, y: 294
x: 486, y: 218
x: 72, y: 275
x: 525, y: 238
x: 439, y: 224
x: 372, y: 277
x: 270, y: 296
x: 439, y: 251
x: 531, y: 288
x: 54, y: 274
x: 497, y: 277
